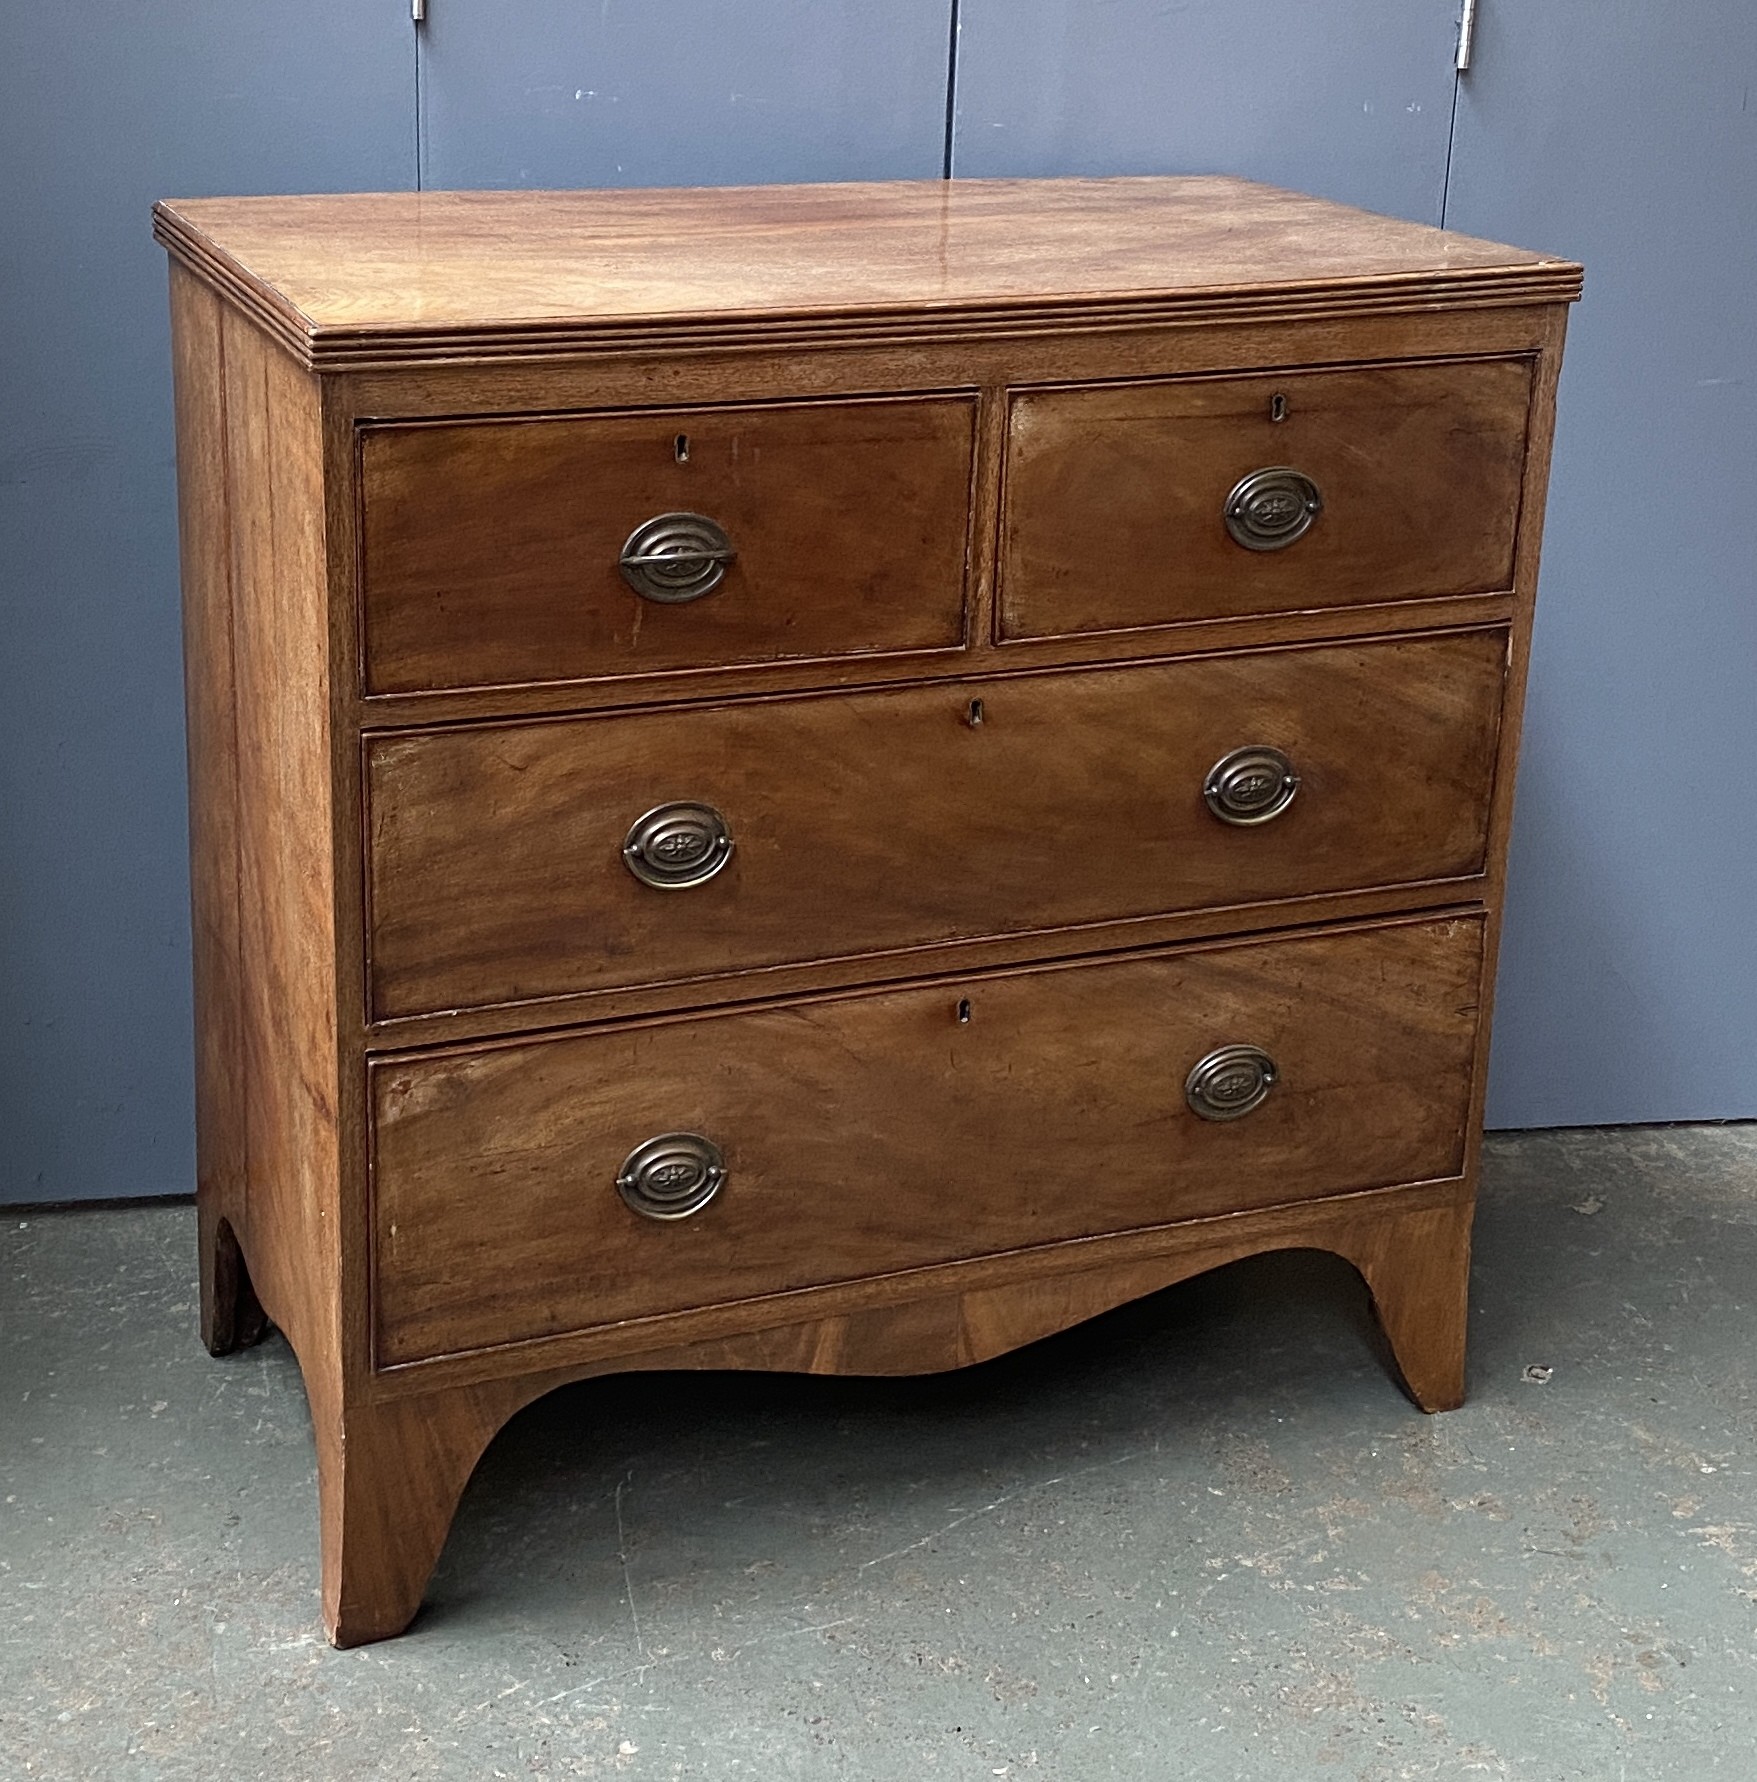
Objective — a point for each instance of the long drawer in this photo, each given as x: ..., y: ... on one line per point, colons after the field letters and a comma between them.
x: 529, y: 550
x: 518, y: 1193
x: 1141, y: 504
x: 506, y: 859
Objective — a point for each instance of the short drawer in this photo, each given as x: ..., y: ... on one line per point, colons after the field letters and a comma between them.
x: 1142, y: 504
x: 493, y: 552
x: 911, y: 817
x: 516, y: 1195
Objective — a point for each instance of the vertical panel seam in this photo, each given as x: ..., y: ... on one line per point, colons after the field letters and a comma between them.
x: 420, y: 108
x: 951, y: 89
x: 1451, y: 143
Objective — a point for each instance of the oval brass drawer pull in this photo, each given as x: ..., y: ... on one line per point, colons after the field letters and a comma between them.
x: 673, y: 558
x: 1270, y: 508
x: 1250, y: 785
x: 672, y: 1176
x: 1230, y: 1082
x: 675, y: 846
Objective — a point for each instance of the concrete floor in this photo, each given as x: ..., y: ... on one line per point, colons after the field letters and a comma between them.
x: 1202, y: 1538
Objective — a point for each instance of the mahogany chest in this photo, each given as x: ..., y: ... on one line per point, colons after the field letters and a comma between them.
x: 832, y: 778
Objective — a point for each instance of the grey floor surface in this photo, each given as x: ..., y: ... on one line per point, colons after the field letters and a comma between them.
x: 1203, y: 1538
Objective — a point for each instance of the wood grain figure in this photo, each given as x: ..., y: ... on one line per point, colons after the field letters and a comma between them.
x: 1116, y: 495
x: 491, y: 549
x: 1021, y: 805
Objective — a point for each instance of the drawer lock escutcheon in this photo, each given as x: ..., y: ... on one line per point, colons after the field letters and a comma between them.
x: 1271, y: 508
x: 672, y: 1176
x: 1230, y: 1082
x: 675, y: 846
x: 673, y: 558
x: 1250, y: 785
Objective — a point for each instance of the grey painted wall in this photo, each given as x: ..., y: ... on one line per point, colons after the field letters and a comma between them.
x: 106, y: 105
x: 1625, y: 134
x: 1589, y: 127
x: 1351, y: 100
x: 682, y: 92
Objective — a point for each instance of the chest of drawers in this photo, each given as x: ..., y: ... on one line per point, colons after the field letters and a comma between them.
x: 831, y: 778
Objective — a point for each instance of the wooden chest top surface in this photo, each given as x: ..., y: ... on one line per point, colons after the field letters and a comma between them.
x: 421, y: 271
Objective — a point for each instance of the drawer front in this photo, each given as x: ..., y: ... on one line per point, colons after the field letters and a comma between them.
x: 1117, y: 497
x: 888, y: 820
x: 892, y: 1130
x: 492, y: 550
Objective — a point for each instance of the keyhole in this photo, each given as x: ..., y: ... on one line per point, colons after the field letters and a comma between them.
x: 963, y: 1011
x: 680, y: 446
x: 976, y: 714
x: 1278, y: 407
